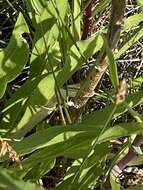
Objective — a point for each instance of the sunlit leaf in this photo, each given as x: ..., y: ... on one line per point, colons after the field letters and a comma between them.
x: 46, y: 88
x: 133, y: 20
x: 140, y: 3
x: 115, y: 185
x: 11, y: 63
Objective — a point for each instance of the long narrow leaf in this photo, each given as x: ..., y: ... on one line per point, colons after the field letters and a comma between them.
x: 112, y: 65
x: 11, y: 63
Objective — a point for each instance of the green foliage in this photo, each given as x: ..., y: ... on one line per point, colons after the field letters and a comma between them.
x: 112, y: 65
x: 138, y: 187
x: 11, y: 62
x: 56, y: 54
x: 8, y: 182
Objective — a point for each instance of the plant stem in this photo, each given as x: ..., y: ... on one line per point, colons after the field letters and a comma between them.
x: 87, y: 20
x: 87, y: 88
x: 132, y: 154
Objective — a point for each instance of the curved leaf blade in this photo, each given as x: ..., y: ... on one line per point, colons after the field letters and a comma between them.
x: 16, y: 54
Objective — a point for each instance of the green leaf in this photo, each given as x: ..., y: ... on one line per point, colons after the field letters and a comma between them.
x: 112, y: 65
x: 137, y: 82
x: 61, y: 6
x: 121, y: 130
x: 14, y: 105
x: 39, y: 170
x: 50, y: 136
x: 41, y: 95
x: 140, y: 3
x: 133, y: 20
x: 11, y: 63
x: 46, y: 88
x: 45, y: 22
x: 114, y: 184
x: 38, y: 6
x: 76, y: 28
x: 47, y: 32
x: 78, y: 54
x: 43, y: 156
x: 15, y: 56
x: 97, y: 117
x: 92, y: 169
x: 25, y: 91
x: 7, y: 182
x: 138, y: 187
x: 63, y: 142
x: 3, y: 85
x: 131, y: 41
x: 89, y: 175
x: 77, y: 134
